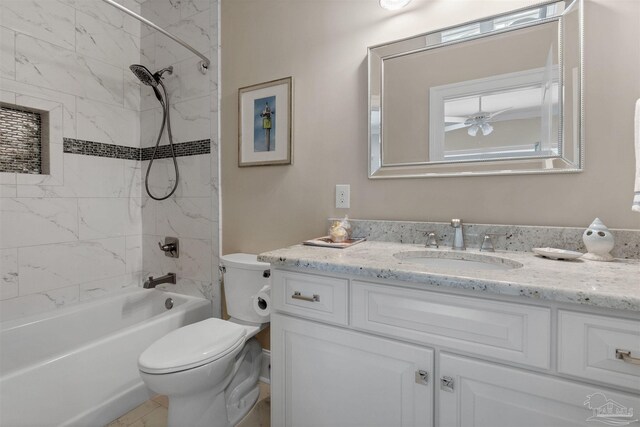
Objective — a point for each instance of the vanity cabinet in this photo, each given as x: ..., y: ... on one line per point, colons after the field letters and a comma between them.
x: 352, y: 352
x: 485, y: 394
x: 327, y: 376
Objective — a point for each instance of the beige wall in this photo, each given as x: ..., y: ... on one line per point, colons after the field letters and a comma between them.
x: 323, y: 45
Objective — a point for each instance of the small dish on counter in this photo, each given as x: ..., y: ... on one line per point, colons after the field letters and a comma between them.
x: 326, y: 242
x: 558, y: 254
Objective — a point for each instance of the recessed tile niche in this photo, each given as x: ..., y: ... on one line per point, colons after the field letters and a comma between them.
x: 31, y: 149
x: 22, y: 139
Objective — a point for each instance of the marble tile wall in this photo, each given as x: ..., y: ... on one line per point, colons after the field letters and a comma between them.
x: 191, y: 214
x: 93, y: 230
x: 80, y: 235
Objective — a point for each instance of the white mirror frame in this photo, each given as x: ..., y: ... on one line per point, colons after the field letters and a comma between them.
x: 507, y: 166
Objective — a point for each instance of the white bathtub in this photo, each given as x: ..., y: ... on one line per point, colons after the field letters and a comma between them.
x: 78, y: 366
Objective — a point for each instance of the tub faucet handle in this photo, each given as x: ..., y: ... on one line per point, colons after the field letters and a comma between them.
x: 171, y: 247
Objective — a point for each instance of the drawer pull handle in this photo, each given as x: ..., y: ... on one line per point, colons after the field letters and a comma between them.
x: 625, y: 356
x: 298, y: 295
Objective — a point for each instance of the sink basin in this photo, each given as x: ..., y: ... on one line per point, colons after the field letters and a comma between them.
x: 456, y: 261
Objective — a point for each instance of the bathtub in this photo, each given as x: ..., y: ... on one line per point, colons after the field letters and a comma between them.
x: 77, y: 366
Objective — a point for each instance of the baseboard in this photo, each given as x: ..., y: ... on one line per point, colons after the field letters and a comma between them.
x: 265, y: 370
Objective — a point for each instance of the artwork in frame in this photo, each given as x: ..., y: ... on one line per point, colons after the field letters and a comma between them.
x: 264, y: 125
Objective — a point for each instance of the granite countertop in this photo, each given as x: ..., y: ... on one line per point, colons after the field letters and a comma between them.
x: 613, y: 284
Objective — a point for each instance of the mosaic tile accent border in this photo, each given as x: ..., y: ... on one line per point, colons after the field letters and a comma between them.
x: 99, y: 149
x: 191, y: 148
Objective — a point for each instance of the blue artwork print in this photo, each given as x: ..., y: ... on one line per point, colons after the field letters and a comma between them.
x: 264, y: 124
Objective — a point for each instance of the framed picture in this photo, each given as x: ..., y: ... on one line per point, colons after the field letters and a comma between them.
x: 264, y: 125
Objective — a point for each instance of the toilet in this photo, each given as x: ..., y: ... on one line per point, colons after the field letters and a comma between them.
x: 210, y: 369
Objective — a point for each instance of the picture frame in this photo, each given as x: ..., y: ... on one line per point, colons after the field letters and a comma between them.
x: 264, y: 123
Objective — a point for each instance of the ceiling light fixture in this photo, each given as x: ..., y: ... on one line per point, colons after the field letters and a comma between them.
x: 394, y: 4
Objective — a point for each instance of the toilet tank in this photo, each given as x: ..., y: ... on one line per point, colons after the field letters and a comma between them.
x: 244, y: 276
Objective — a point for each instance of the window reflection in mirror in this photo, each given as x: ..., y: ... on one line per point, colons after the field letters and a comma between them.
x: 504, y: 90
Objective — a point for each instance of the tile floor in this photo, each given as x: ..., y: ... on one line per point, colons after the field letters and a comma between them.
x: 153, y: 413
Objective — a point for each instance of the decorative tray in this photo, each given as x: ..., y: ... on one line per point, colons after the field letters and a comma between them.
x: 326, y: 242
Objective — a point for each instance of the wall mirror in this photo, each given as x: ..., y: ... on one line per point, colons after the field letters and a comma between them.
x: 502, y: 95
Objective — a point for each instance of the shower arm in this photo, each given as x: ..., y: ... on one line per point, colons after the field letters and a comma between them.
x: 204, y: 64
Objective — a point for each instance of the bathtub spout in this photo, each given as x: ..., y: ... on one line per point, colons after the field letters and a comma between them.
x: 152, y: 283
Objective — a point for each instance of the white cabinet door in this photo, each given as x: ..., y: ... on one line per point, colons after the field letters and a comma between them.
x: 488, y: 395
x: 332, y: 377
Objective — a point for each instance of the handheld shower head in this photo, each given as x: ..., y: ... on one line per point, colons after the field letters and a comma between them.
x: 144, y: 75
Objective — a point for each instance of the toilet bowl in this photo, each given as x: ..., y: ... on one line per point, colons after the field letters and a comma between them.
x: 210, y: 369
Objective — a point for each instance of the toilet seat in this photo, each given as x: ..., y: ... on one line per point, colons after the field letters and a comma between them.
x: 192, y: 346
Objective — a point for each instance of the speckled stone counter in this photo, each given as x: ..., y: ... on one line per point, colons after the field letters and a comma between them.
x: 614, y: 285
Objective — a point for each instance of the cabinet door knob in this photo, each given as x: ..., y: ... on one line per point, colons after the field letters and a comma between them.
x: 625, y: 356
x: 446, y: 384
x: 422, y: 377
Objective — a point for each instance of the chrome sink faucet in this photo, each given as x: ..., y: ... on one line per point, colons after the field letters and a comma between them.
x: 458, y: 236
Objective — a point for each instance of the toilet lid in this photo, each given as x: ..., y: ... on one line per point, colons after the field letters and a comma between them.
x: 191, y: 346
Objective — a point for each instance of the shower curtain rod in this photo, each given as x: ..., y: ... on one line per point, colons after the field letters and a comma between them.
x: 204, y: 64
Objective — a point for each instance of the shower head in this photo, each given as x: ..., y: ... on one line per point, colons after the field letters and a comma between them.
x: 144, y: 75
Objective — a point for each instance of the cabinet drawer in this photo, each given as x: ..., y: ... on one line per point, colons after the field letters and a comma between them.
x: 587, y: 347
x: 512, y: 332
x: 308, y: 295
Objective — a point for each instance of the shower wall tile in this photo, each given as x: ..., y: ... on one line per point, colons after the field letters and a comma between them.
x: 133, y: 181
x: 96, y: 121
x: 43, y: 64
x: 185, y: 217
x: 26, y: 221
x: 47, y: 20
x: 99, y: 10
x: 194, y: 28
x: 8, y: 190
x: 195, y: 260
x: 7, y: 53
x: 132, y: 25
x: 195, y: 176
x: 108, y: 217
x: 103, y: 287
x: 47, y: 267
x: 150, y: 126
x: 192, y: 7
x: 190, y: 120
x: 132, y: 88
x: 68, y: 102
x: 190, y: 81
x: 105, y: 42
x: 8, y: 273
x: 27, y: 305
x: 88, y: 176
x: 148, y: 51
x: 148, y: 214
x: 84, y: 176
x: 6, y: 96
x: 133, y: 254
x: 160, y: 12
